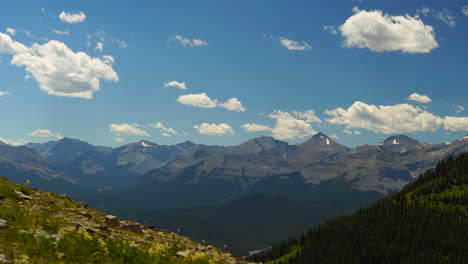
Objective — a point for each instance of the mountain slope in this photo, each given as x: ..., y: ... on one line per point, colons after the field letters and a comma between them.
x: 98, y: 167
x: 384, y: 168
x: 21, y: 164
x: 41, y: 227
x: 427, y: 222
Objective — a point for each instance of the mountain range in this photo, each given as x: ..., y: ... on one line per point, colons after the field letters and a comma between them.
x: 196, y: 188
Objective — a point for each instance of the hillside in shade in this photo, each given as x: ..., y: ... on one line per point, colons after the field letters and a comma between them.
x: 427, y: 222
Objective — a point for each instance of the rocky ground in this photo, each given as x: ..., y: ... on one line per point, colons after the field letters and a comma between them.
x: 42, y: 227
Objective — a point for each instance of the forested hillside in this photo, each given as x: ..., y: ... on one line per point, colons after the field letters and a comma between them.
x: 427, y: 222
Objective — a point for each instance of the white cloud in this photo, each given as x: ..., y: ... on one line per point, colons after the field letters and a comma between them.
x: 385, y: 119
x: 309, y: 116
x: 99, y: 47
x: 255, y: 127
x: 288, y: 127
x: 14, y: 142
x: 459, y: 108
x: 294, y: 45
x: 102, y: 37
x: 176, y: 84
x: 424, y: 11
x: 446, y: 17
x: 163, y: 128
x: 419, y: 98
x: 11, y: 31
x: 108, y: 59
x: 465, y: 10
x: 356, y: 132
x: 189, y: 42
x: 331, y: 29
x: 221, y: 129
x: 120, y: 129
x: 62, y: 72
x: 233, y: 105
x: 72, y: 18
x: 204, y: 101
x: 334, y: 136
x: 453, y: 123
x: 382, y: 32
x: 65, y: 32
x: 118, y: 139
x: 44, y: 133
x: 4, y: 93
x: 166, y: 135
x: 11, y: 47
x: 198, y: 100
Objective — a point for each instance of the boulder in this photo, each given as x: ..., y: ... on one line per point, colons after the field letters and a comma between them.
x: 112, y: 221
x: 3, y: 224
x: 135, y: 228
x: 23, y: 196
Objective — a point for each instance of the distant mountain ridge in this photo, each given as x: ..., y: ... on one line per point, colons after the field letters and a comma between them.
x: 384, y: 168
x: 105, y: 166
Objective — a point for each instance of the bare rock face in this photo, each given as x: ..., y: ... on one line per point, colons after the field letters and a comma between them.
x: 112, y: 221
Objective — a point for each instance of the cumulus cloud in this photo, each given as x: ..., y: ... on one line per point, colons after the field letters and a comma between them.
x: 44, y: 133
x: 294, y: 45
x: 72, y: 18
x: 11, y: 31
x: 289, y: 127
x: 381, y: 32
x: 309, y: 116
x: 233, y: 105
x: 11, y: 47
x: 176, y: 84
x: 166, y: 135
x: 446, y: 17
x: 60, y: 71
x: 186, y: 42
x: 108, y: 59
x: 65, y: 32
x: 14, y: 142
x: 465, y: 10
x: 385, y: 119
x: 255, y: 127
x: 118, y: 139
x: 419, y: 98
x: 99, y: 47
x: 221, y: 129
x: 204, y: 101
x: 334, y: 136
x: 163, y: 128
x: 121, y: 129
x: 4, y: 93
x: 198, y: 100
x: 453, y: 123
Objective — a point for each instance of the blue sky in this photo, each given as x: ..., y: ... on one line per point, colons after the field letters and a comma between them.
x: 359, y: 71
